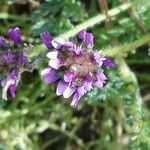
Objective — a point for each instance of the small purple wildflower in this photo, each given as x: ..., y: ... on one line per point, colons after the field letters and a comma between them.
x: 76, y: 69
x: 13, y: 60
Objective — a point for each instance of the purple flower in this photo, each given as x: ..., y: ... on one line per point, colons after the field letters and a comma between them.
x: 75, y: 99
x: 50, y: 75
x: 15, y: 35
x: 82, y: 34
x: 61, y: 87
x: 75, y: 68
x: 87, y: 38
x: 107, y: 62
x: 69, y: 76
x: 13, y: 61
x: 99, y: 59
x: 9, y: 84
x: 100, y: 79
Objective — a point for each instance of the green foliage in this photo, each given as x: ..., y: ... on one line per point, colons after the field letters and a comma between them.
x: 57, y: 16
x: 116, y: 87
x: 125, y: 29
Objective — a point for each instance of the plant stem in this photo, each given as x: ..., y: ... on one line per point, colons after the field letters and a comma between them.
x: 96, y: 20
x: 128, y: 47
x: 14, y: 17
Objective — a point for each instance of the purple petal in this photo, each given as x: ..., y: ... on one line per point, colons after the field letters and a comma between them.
x: 68, y: 91
x: 81, y: 90
x: 87, y: 83
x: 107, y: 62
x: 61, y: 87
x: 75, y: 100
x: 100, y: 79
x: 22, y: 58
x: 52, y: 55
x: 68, y: 44
x: 98, y: 83
x: 14, y: 74
x: 46, y: 39
x: 86, y: 37
x: 89, y: 40
x: 96, y: 57
x: 78, y: 50
x: 8, y: 57
x: 58, y: 43
x: 100, y: 75
x: 99, y: 59
x: 3, y: 82
x: 55, y: 63
x: 12, y: 90
x: 15, y: 35
x: 2, y: 42
x: 69, y: 76
x: 49, y: 75
x: 82, y: 34
x: 61, y: 42
x: 10, y: 85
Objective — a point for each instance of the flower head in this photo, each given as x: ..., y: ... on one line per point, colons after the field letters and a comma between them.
x: 13, y: 60
x: 76, y: 68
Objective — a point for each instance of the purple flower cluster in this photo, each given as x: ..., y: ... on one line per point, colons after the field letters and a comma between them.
x: 76, y: 68
x: 13, y: 58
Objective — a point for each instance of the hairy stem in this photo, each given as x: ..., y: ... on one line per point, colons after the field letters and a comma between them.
x: 96, y: 20
x: 128, y: 47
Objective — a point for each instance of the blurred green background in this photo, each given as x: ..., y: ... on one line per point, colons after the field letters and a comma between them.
x: 113, y: 118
